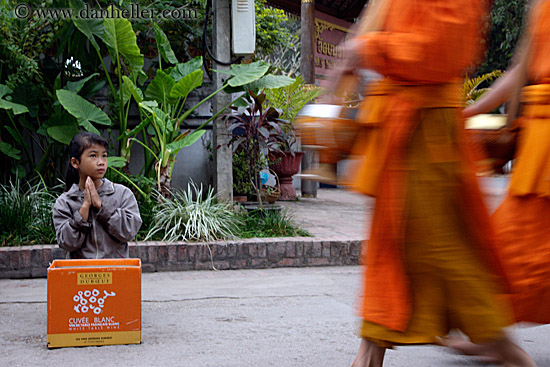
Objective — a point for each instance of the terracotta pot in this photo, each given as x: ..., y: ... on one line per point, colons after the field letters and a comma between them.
x: 287, y: 166
x: 239, y: 198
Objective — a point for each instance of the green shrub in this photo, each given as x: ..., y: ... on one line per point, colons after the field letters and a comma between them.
x: 147, y: 213
x: 193, y: 215
x: 26, y: 214
x: 262, y: 223
x: 241, y: 181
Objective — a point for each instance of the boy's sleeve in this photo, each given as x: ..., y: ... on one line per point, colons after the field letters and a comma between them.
x: 70, y: 229
x: 121, y: 222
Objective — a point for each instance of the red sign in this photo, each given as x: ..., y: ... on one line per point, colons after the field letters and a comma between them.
x: 329, y: 33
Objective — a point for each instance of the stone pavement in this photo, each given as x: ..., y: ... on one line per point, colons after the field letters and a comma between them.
x: 345, y: 214
x: 334, y: 213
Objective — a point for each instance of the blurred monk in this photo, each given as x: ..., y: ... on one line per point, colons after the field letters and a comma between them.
x: 522, y: 222
x: 430, y: 262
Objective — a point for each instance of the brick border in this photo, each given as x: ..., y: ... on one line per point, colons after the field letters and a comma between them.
x: 255, y: 253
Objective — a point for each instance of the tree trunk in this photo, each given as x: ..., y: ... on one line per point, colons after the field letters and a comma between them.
x: 165, y: 181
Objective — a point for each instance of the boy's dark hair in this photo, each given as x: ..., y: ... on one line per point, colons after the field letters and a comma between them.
x: 78, y: 145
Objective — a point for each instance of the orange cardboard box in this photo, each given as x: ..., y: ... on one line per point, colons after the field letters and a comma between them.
x: 94, y: 302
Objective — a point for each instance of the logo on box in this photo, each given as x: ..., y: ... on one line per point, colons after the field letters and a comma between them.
x: 91, y: 301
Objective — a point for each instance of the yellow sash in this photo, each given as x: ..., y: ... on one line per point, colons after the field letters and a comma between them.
x: 374, y: 143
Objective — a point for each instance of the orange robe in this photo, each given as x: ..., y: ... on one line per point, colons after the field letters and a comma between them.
x: 522, y: 222
x: 423, y: 49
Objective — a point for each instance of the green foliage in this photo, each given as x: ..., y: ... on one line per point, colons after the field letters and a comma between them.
x: 21, y: 44
x: 147, y: 212
x: 264, y: 223
x: 7, y: 105
x: 26, y: 214
x: 163, y: 111
x: 193, y: 215
x: 291, y: 98
x: 39, y: 57
x: 241, y: 179
x: 257, y: 132
x: 270, y: 30
x: 471, y: 88
x: 82, y: 110
x: 507, y: 21
x: 285, y: 57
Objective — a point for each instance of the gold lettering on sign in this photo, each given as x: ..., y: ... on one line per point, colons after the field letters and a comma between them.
x: 322, y: 25
x: 329, y: 49
x: 319, y: 63
x: 95, y: 278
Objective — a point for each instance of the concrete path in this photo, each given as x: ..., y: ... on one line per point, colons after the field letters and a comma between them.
x: 344, y: 214
x: 334, y: 213
x: 272, y: 317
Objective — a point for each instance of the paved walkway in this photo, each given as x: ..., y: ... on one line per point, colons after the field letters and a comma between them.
x: 343, y: 214
x: 286, y: 317
x: 334, y: 213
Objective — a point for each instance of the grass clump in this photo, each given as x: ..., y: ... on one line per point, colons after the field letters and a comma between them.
x: 261, y: 223
x: 193, y: 215
x: 26, y: 214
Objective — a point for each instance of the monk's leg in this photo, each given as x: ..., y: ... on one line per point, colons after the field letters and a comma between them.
x: 369, y: 355
x: 503, y: 351
x: 466, y: 347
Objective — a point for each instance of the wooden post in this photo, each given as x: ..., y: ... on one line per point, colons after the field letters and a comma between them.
x: 307, y: 69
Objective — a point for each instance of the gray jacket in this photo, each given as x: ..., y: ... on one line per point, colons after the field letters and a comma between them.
x: 107, y: 231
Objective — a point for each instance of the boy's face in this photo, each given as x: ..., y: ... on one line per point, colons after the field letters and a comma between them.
x: 93, y: 162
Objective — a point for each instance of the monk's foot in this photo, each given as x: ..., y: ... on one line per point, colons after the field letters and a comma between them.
x: 369, y: 355
x: 484, y: 353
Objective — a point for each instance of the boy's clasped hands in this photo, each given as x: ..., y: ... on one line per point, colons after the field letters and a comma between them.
x: 91, y: 197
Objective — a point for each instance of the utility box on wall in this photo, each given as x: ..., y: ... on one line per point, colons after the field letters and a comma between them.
x: 243, y: 27
x: 94, y: 302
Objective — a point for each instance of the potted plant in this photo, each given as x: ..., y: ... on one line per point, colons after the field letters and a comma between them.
x: 286, y: 160
x: 242, y: 187
x: 255, y: 133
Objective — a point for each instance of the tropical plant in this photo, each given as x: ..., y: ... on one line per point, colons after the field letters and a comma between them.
x: 241, y: 180
x: 163, y: 114
x: 38, y: 56
x: 257, y: 132
x: 117, y: 35
x: 193, y: 215
x: 289, y: 100
x: 472, y: 89
x: 50, y: 135
x: 167, y: 91
x: 13, y: 109
x: 162, y: 104
x: 26, y: 214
